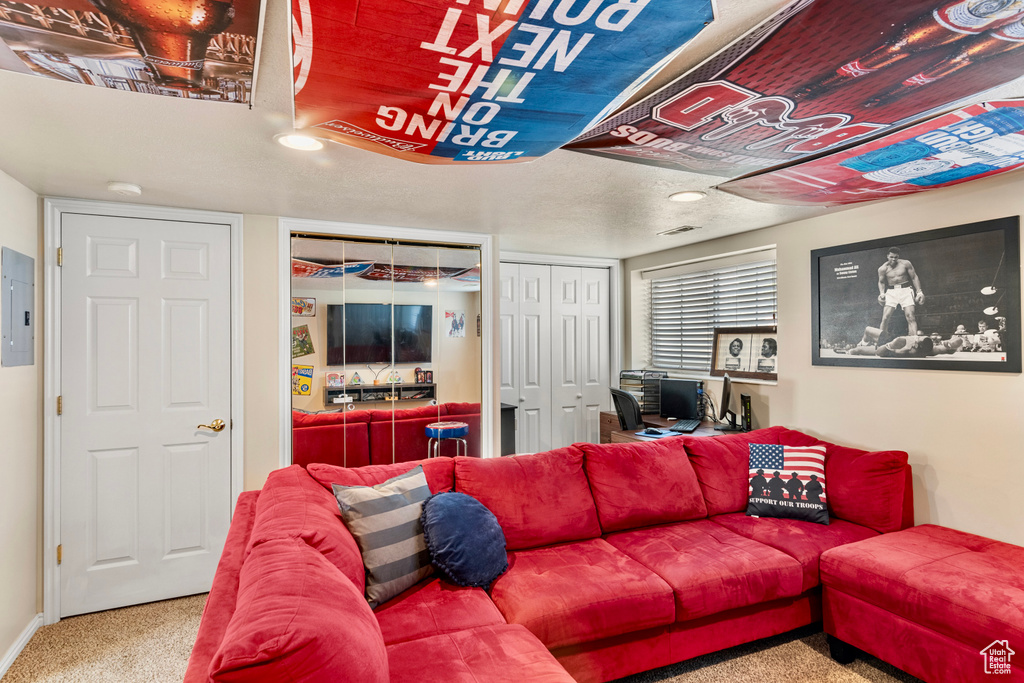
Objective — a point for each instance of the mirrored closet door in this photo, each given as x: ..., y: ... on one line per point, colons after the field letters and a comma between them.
x: 386, y: 351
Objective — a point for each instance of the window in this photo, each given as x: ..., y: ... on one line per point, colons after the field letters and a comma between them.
x: 688, y: 302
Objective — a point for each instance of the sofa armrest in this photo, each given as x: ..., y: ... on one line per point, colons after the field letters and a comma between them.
x: 220, y: 603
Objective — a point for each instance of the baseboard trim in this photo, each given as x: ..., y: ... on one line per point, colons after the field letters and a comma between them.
x: 14, y: 650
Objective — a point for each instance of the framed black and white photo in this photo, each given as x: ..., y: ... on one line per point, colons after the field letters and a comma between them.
x: 946, y: 299
x: 745, y: 353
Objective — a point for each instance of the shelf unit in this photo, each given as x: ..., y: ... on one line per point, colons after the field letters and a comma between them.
x: 645, y: 385
x: 365, y: 393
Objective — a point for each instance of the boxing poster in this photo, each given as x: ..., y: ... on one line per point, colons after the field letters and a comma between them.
x: 199, y: 49
x: 974, y: 142
x: 458, y: 82
x: 946, y: 299
x: 816, y: 76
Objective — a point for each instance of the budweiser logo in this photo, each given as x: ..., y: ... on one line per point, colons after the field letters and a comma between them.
x: 357, y: 132
x: 160, y: 61
x: 854, y: 69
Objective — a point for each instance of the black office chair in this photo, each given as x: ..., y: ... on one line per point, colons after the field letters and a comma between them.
x: 628, y: 410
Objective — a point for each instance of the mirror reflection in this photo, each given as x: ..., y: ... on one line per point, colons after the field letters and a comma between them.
x: 386, y: 352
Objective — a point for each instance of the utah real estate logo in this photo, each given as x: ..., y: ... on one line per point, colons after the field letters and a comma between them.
x: 997, y: 657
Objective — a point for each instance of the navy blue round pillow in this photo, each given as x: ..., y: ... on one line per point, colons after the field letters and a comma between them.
x: 466, y: 543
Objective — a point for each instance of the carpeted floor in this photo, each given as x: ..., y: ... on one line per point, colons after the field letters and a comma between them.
x: 149, y: 642
x: 152, y: 643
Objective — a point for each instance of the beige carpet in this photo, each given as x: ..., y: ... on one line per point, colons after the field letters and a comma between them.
x: 149, y: 642
x: 152, y: 643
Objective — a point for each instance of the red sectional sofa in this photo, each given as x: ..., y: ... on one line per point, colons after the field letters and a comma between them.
x: 355, y: 438
x: 622, y: 558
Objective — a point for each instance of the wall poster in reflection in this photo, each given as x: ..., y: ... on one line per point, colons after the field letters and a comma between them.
x: 455, y: 323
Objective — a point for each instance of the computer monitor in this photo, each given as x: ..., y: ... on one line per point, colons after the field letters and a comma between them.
x: 680, y: 398
x: 724, y: 414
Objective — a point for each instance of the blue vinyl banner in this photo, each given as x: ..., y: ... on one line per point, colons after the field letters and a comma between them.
x: 459, y: 81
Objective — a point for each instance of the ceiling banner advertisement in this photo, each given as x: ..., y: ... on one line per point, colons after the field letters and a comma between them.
x: 817, y: 75
x: 200, y: 49
x: 974, y: 142
x: 468, y: 81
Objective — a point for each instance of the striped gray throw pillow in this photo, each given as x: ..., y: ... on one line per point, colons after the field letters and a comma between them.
x: 385, y: 521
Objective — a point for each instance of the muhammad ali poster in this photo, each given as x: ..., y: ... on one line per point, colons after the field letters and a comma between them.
x: 946, y: 299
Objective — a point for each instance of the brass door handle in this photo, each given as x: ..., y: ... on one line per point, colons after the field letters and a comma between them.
x: 215, y: 426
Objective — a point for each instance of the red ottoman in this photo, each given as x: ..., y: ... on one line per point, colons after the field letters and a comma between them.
x: 940, y: 604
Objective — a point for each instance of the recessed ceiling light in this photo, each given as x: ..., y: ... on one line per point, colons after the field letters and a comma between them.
x: 430, y: 283
x: 688, y: 196
x: 300, y: 142
x: 676, y: 231
x: 124, y: 189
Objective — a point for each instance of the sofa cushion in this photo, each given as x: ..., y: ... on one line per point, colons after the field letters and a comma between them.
x: 293, y: 610
x: 464, y: 539
x: 436, y: 412
x: 434, y: 607
x: 721, y: 466
x: 329, y: 417
x: 344, y: 445
x: 709, y: 568
x: 291, y: 504
x: 439, y: 473
x: 967, y: 587
x: 579, y: 592
x: 788, y: 482
x: 385, y: 520
x: 490, y: 654
x: 639, y: 484
x: 462, y: 408
x: 803, y: 541
x: 538, y: 499
x: 850, y: 471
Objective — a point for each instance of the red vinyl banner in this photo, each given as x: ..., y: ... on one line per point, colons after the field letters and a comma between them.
x: 974, y: 142
x: 818, y: 75
x: 200, y: 49
x: 472, y: 81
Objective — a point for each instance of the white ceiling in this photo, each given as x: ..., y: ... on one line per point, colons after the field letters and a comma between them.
x: 62, y: 139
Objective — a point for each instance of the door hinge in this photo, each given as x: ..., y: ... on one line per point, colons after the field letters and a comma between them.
x: 60, y: 405
x: 60, y: 256
x: 60, y: 553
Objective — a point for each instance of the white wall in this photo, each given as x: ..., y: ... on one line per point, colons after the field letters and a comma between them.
x: 21, y: 429
x: 963, y: 430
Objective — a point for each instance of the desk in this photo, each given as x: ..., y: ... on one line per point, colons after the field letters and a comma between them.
x: 610, y: 432
x: 706, y: 428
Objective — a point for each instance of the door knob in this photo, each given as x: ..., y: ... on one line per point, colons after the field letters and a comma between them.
x: 522, y: 399
x: 215, y: 426
x: 579, y: 395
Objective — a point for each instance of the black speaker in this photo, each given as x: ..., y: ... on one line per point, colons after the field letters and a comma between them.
x: 746, y: 414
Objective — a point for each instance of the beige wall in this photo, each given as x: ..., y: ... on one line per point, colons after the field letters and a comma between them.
x: 963, y: 430
x: 260, y: 337
x: 21, y: 426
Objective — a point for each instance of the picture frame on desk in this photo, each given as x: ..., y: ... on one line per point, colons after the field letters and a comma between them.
x: 745, y: 353
x: 958, y: 288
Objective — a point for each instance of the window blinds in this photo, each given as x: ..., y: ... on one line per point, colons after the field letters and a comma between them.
x: 685, y: 309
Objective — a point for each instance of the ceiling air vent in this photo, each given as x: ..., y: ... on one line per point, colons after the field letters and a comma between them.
x: 680, y: 229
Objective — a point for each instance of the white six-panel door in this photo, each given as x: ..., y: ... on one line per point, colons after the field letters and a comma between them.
x: 580, y: 354
x: 554, y: 326
x: 145, y: 358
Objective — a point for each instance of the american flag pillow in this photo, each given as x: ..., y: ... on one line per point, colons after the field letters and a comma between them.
x: 787, y: 481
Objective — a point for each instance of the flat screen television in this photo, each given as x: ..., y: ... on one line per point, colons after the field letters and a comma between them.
x: 361, y: 333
